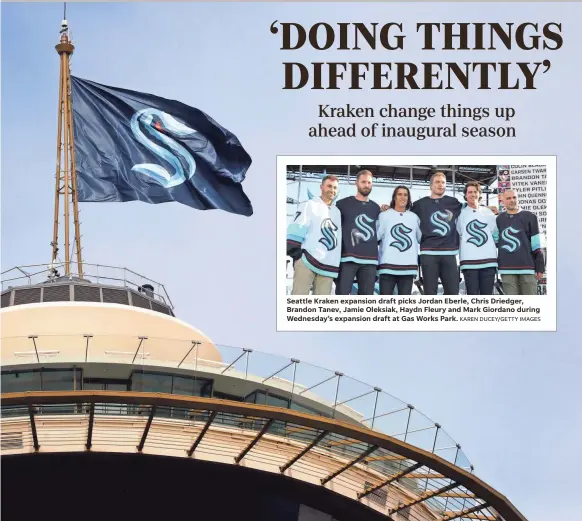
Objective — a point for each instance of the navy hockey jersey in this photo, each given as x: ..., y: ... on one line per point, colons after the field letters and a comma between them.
x: 519, y: 248
x: 438, y: 224
x: 477, y: 228
x: 359, y: 241
x: 399, y: 236
x: 315, y: 237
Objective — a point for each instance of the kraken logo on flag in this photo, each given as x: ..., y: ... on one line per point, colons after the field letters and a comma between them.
x: 328, y: 229
x: 363, y: 232
x: 134, y: 146
x: 476, y: 234
x: 400, y: 232
x: 158, y: 124
x: 441, y: 221
x: 513, y: 243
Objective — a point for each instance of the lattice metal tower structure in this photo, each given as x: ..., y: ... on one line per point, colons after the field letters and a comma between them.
x: 66, y: 173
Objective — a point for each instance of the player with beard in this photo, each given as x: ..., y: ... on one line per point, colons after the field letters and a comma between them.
x: 520, y: 256
x: 359, y: 257
x: 313, y: 241
x: 439, y: 245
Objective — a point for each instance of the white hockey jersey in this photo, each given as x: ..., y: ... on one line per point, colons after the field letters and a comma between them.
x: 478, y: 236
x: 399, y: 235
x: 315, y: 236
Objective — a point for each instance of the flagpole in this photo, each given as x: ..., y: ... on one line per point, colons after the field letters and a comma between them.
x: 77, y: 224
x: 58, y: 175
x: 66, y: 176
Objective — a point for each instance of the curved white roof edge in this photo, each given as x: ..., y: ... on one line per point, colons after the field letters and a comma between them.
x: 68, y: 303
x: 63, y: 326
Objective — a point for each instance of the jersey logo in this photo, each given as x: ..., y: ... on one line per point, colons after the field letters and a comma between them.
x: 513, y: 243
x: 363, y: 232
x: 399, y: 232
x: 441, y: 222
x: 476, y: 234
x: 328, y: 229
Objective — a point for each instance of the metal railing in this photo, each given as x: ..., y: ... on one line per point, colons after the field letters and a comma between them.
x: 306, y: 387
x: 304, y: 174
x: 37, y: 274
x: 358, y: 461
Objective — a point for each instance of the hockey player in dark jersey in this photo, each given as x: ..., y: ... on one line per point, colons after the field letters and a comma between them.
x: 359, y: 257
x: 520, y: 257
x: 439, y: 246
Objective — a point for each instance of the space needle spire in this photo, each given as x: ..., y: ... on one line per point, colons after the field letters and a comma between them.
x: 66, y: 173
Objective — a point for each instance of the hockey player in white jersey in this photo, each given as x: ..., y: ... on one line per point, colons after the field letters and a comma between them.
x: 399, y: 235
x: 314, y: 242
x: 477, y: 230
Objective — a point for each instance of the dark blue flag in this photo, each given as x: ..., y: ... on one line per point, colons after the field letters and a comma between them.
x: 134, y: 146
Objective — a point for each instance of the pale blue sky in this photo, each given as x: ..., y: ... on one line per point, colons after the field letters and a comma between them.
x: 511, y: 400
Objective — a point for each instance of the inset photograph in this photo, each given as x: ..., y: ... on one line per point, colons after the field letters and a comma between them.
x: 477, y: 227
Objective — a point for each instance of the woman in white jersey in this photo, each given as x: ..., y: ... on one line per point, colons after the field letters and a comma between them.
x: 399, y: 236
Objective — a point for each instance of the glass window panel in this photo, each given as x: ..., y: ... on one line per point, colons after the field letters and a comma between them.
x: 251, y: 398
x: 185, y: 386
x: 151, y: 382
x: 195, y: 386
x: 302, y: 408
x: 20, y: 381
x: 8, y: 382
x: 102, y: 384
x: 225, y: 396
x: 206, y: 388
x: 277, y: 401
x: 61, y: 380
x: 261, y: 398
x: 93, y: 386
x: 116, y: 386
x: 136, y: 382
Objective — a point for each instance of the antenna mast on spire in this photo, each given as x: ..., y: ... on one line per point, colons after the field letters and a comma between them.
x: 66, y: 174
